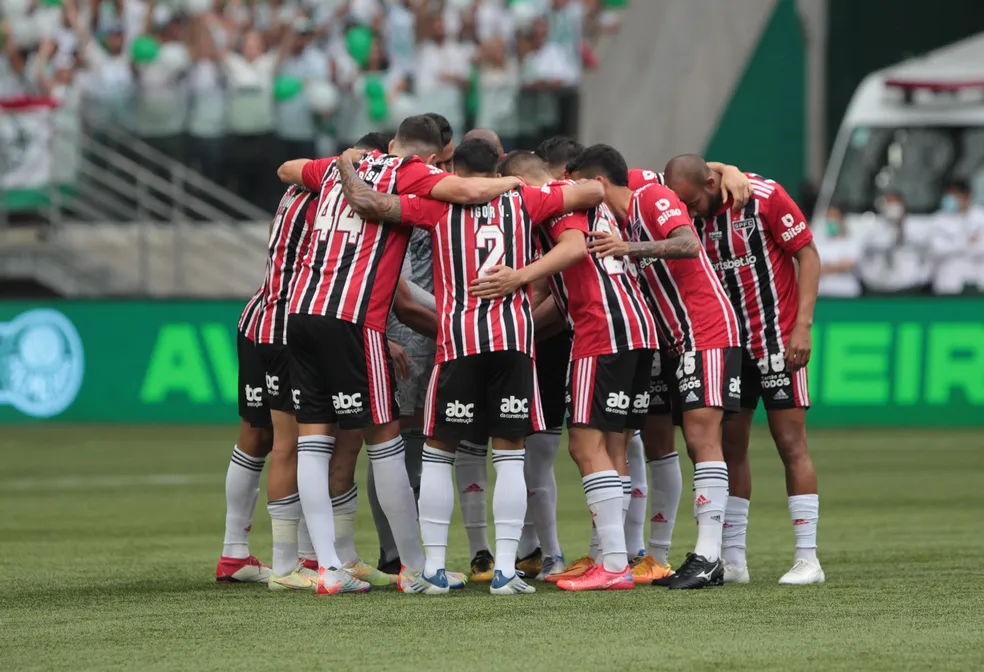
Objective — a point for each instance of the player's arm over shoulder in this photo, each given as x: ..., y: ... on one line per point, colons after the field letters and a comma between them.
x: 471, y: 190
x: 559, y: 198
x: 304, y: 172
x: 665, y: 214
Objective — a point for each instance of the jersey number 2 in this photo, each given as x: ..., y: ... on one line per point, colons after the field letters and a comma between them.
x: 344, y: 221
x: 490, y: 240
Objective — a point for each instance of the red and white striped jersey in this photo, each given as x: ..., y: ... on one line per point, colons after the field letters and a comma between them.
x: 692, y: 309
x: 351, y: 265
x: 247, y: 321
x: 293, y: 220
x: 639, y: 178
x: 468, y: 240
x: 600, y: 297
x: 752, y: 253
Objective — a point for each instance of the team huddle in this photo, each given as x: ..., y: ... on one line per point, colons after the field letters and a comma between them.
x: 429, y: 301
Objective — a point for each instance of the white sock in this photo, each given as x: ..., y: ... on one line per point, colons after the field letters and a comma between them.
x: 242, y: 490
x: 626, y: 498
x: 594, y: 546
x: 436, y: 506
x: 664, y: 495
x: 635, y: 520
x: 472, y: 475
x: 285, y: 514
x: 710, y: 501
x: 603, y: 492
x: 804, y: 511
x: 305, y: 549
x: 733, y: 534
x: 396, y: 499
x: 508, y: 507
x: 344, y: 508
x: 541, y: 484
x: 313, y: 463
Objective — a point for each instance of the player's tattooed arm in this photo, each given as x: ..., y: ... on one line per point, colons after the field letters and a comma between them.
x: 363, y: 199
x: 680, y: 244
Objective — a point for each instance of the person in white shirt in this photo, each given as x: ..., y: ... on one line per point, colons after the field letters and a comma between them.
x: 889, y: 261
x: 443, y: 69
x: 161, y: 94
x: 401, y: 40
x: 207, y: 104
x: 839, y: 257
x: 547, y: 74
x: 296, y: 123
x: 498, y: 84
x: 956, y: 244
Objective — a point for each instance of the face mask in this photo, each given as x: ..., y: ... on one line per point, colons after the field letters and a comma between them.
x: 950, y: 203
x: 894, y: 211
x: 833, y: 227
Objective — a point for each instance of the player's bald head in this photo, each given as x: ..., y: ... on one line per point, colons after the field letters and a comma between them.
x: 526, y: 165
x: 697, y: 185
x: 486, y: 134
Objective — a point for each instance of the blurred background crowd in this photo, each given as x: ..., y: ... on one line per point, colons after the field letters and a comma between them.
x: 233, y: 87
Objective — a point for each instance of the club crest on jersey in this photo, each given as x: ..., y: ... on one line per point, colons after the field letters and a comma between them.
x: 744, y: 227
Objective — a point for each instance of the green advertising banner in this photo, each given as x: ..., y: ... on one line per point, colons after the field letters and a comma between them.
x: 876, y: 362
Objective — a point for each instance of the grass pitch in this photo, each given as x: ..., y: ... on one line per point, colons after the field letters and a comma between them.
x: 109, y: 538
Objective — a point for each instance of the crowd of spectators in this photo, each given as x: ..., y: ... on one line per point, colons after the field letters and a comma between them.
x: 232, y: 87
x: 895, y: 252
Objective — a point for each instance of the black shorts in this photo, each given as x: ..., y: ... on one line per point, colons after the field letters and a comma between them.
x: 253, y: 407
x: 552, y: 360
x: 767, y: 378
x: 341, y: 372
x: 609, y: 392
x: 276, y: 363
x: 492, y: 394
x: 694, y: 380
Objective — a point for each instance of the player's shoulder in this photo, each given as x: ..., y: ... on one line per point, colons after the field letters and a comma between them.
x: 659, y: 195
x: 640, y: 177
x: 763, y: 188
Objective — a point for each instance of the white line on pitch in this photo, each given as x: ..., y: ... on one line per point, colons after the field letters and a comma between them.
x: 107, y: 482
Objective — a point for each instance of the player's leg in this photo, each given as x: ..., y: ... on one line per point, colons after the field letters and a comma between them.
x: 313, y: 341
x: 787, y: 423
x: 736, y: 435
x: 635, y: 518
x: 242, y: 485
x: 472, y: 479
x: 371, y: 376
x: 541, y: 504
x: 602, y: 396
x: 703, y: 395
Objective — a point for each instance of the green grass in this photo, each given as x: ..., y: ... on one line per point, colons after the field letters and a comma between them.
x: 111, y: 567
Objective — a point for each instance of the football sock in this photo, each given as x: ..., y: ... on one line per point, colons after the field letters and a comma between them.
x: 603, y: 492
x: 313, y: 463
x: 387, y: 546
x: 436, y: 506
x: 508, y: 507
x: 541, y: 484
x: 396, y: 499
x: 305, y: 549
x: 472, y: 476
x: 594, y: 547
x: 344, y: 508
x: 626, y: 498
x: 242, y: 490
x: 635, y: 520
x: 710, y: 501
x: 733, y: 534
x: 285, y: 514
x: 804, y: 510
x: 664, y: 494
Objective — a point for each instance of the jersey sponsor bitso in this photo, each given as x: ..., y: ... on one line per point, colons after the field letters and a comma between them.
x: 639, y: 178
x: 468, y: 240
x: 600, y: 297
x: 284, y: 254
x: 692, y: 309
x: 752, y: 253
x: 351, y: 266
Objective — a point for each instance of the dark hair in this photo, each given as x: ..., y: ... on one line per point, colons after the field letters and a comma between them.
x: 378, y: 141
x: 521, y: 162
x: 601, y: 160
x: 477, y: 156
x: 958, y: 185
x: 447, y: 133
x: 559, y: 150
x: 420, y: 132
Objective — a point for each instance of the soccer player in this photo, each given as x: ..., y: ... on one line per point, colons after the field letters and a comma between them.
x: 753, y: 251
x: 484, y: 382
x: 242, y: 486
x: 608, y: 381
x: 699, y: 327
x: 340, y: 366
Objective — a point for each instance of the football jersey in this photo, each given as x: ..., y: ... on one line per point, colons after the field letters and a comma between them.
x: 601, y: 298
x: 752, y: 253
x: 468, y: 240
x: 692, y: 309
x: 351, y: 265
x: 294, y: 218
x: 639, y: 178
